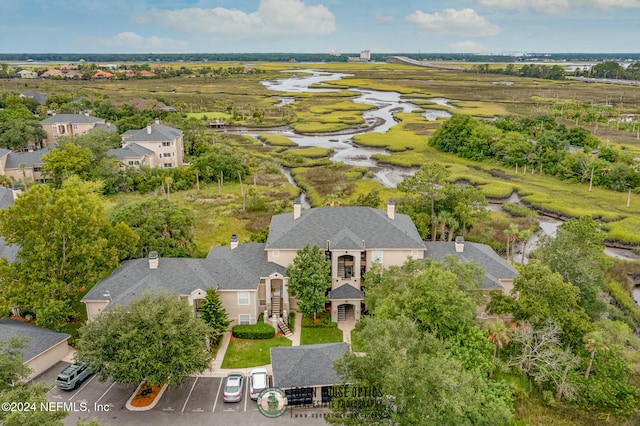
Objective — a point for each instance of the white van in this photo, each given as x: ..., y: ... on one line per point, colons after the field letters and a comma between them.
x: 258, y: 381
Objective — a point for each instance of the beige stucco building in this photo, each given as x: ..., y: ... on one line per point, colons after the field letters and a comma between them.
x: 156, y: 145
x: 60, y: 125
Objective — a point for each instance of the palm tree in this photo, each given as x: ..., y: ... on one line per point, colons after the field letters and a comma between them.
x: 593, y: 342
x: 499, y: 336
x: 525, y: 235
x: 453, y: 223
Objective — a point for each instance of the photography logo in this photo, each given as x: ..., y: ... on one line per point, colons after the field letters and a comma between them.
x: 272, y: 402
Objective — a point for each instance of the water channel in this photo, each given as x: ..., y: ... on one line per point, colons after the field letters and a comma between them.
x: 381, y: 120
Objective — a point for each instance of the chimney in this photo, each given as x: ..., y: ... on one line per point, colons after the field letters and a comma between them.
x: 234, y: 241
x: 157, y: 120
x: 153, y: 260
x: 297, y: 208
x: 391, y: 209
x: 149, y: 128
x: 459, y: 244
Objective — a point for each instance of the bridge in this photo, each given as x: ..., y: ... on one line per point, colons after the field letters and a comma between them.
x: 404, y: 60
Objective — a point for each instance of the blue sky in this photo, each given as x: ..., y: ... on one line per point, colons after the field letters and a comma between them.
x: 318, y: 26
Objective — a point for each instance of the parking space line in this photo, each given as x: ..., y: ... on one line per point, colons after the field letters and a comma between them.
x: 217, y: 395
x: 189, y: 396
x: 82, y: 387
x: 105, y: 392
x: 246, y: 394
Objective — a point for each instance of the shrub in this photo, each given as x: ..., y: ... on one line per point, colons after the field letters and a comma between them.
x: 291, y: 321
x: 519, y: 210
x: 253, y: 331
x: 323, y: 321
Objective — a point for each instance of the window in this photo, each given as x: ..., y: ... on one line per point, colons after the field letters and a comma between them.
x: 167, y: 165
x: 75, y: 127
x: 376, y: 256
x: 167, y: 143
x: 243, y: 298
x: 244, y: 319
x: 167, y: 154
x: 37, y: 169
x: 134, y: 162
x: 263, y: 302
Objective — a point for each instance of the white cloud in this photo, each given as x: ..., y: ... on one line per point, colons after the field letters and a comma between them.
x: 131, y: 42
x: 272, y: 18
x: 467, y: 46
x: 559, y: 6
x: 451, y: 21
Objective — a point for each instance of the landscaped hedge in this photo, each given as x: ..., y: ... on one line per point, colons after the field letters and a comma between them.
x: 253, y: 331
x: 323, y: 321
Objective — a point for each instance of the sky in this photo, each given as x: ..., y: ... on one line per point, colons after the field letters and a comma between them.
x: 319, y: 26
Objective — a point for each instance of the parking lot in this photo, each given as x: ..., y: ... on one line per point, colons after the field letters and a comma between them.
x: 198, y: 401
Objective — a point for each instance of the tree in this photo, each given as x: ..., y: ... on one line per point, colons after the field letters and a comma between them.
x: 66, y: 244
x: 428, y: 293
x: 414, y: 380
x: 539, y: 296
x: 499, y: 335
x: 429, y: 182
x: 12, y: 370
x: 157, y: 339
x: 161, y: 226
x: 213, y: 313
x: 593, y: 342
x: 16, y: 134
x: 62, y: 162
x: 309, y: 279
x: 576, y: 254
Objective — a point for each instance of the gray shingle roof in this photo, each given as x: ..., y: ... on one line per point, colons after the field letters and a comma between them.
x: 242, y: 267
x: 27, y: 158
x: 4, y: 151
x: 71, y: 118
x: 345, y: 228
x: 107, y: 127
x: 346, y: 291
x: 306, y: 366
x: 159, y: 132
x: 39, y: 339
x: 40, y: 97
x: 224, y: 269
x: 132, y: 150
x: 495, y: 267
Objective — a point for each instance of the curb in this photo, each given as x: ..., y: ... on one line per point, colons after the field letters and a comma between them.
x: 148, y: 407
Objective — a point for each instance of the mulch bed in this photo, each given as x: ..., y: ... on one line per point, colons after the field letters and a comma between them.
x: 145, y: 397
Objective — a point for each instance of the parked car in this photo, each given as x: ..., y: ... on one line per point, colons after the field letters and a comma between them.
x: 72, y: 376
x: 233, y: 387
x: 258, y: 381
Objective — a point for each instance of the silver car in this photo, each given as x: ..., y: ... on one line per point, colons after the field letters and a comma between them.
x: 233, y: 387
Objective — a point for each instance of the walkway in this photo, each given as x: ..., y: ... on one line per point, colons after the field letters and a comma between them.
x: 346, y: 326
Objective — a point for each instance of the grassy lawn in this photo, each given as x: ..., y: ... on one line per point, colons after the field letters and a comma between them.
x: 357, y: 344
x: 312, y: 336
x: 243, y: 353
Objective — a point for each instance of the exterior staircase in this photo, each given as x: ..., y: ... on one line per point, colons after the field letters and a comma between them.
x: 284, y: 328
x: 342, y: 313
x: 275, y: 306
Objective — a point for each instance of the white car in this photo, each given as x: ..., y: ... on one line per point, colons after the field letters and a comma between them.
x: 258, y: 381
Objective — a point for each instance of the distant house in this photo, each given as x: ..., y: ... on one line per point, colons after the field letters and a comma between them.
x: 164, y: 142
x: 60, y: 125
x: 41, y: 98
x: 21, y: 166
x: 27, y: 74
x: 306, y: 372
x: 102, y: 75
x: 43, y: 348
